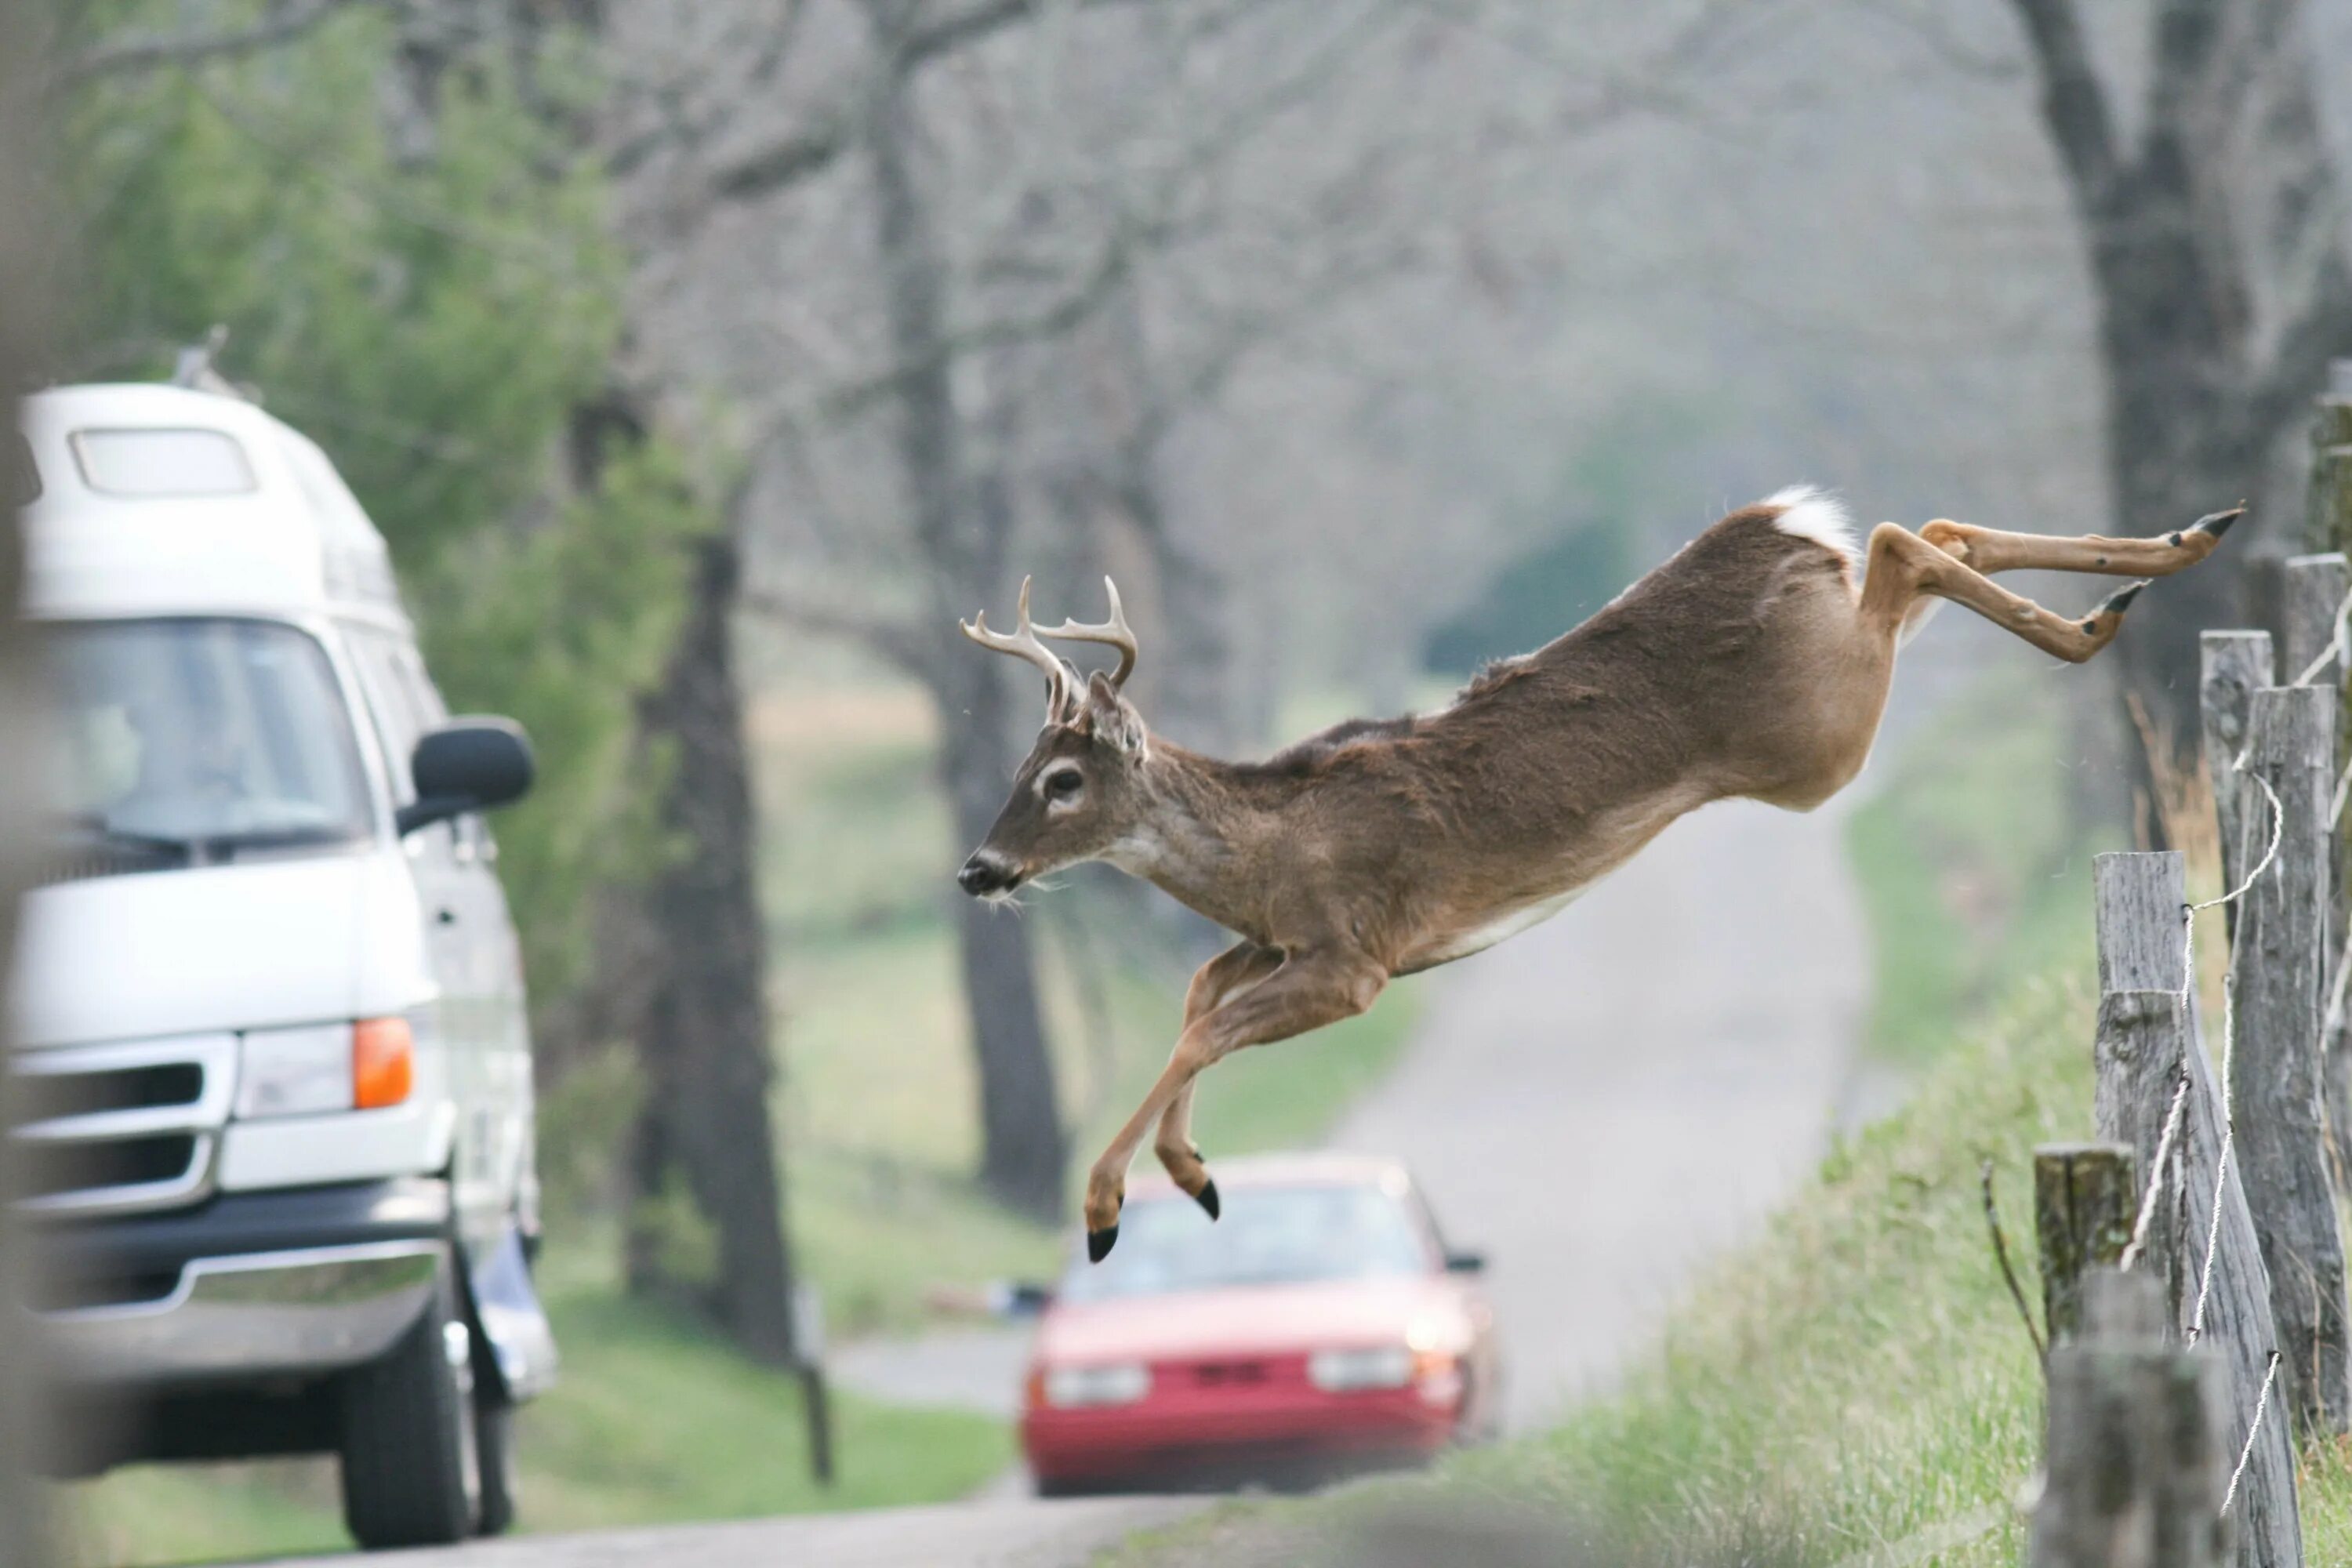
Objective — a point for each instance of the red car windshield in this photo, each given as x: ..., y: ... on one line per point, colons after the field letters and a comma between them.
x: 1269, y: 1236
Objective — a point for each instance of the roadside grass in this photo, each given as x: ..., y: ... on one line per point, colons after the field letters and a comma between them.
x: 654, y: 1422
x: 1854, y: 1377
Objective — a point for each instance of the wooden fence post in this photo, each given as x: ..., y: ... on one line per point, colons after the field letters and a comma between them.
x: 2276, y: 1068
x: 2147, y: 1041
x: 2234, y: 666
x: 2331, y: 466
x: 2136, y: 1463
x: 2085, y: 1198
x: 2313, y: 588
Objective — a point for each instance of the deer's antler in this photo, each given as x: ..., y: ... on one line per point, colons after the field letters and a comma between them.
x: 1061, y: 683
x: 1113, y: 632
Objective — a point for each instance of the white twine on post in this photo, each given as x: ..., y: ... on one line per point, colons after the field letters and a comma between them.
x: 2229, y: 1037
x: 2177, y: 1114
x: 2246, y: 1454
x: 2335, y: 644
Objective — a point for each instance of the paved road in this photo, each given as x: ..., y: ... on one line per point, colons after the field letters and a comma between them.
x: 1011, y: 1534
x: 1599, y: 1104
x: 1604, y: 1102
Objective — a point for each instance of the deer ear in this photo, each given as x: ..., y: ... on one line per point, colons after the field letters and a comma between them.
x: 1111, y: 717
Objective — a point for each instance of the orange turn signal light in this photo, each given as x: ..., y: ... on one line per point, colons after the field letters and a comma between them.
x: 384, y: 1063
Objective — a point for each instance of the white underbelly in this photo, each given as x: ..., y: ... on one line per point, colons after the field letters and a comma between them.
x: 1510, y: 925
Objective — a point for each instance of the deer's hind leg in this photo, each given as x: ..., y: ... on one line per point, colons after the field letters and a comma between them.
x: 1901, y: 566
x: 1243, y: 964
x: 1989, y: 550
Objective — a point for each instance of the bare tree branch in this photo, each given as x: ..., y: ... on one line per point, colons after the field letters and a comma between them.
x: 978, y: 22
x: 810, y: 150
x: 283, y: 22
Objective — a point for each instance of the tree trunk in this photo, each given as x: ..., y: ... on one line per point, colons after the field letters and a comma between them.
x: 2227, y: 184
x: 2177, y: 447
x: 962, y: 535
x: 705, y: 1036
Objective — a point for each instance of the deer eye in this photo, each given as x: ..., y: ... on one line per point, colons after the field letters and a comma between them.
x: 1063, y: 783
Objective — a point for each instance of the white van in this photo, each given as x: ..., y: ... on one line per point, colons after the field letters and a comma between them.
x: 274, y: 1075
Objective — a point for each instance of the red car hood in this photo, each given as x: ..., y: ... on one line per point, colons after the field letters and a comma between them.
x: 1260, y: 1319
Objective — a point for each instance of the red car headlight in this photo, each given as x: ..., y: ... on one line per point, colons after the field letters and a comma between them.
x: 1078, y: 1387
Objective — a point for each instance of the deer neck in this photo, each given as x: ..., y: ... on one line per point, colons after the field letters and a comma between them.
x: 1190, y: 838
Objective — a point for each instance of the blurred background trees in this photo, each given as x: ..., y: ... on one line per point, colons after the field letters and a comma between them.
x: 705, y: 360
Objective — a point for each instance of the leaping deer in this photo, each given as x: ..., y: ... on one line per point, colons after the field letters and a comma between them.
x: 1754, y: 662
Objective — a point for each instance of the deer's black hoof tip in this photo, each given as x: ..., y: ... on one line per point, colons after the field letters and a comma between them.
x: 1100, y: 1242
x: 1207, y: 1198
x: 2217, y: 524
x: 2117, y: 602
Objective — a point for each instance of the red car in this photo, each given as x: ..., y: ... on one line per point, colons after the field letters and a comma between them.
x: 1321, y: 1326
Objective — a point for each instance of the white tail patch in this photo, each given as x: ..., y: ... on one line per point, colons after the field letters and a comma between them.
x: 1811, y: 512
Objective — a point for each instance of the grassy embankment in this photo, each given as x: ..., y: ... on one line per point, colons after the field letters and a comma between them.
x: 1857, y: 1377
x: 655, y: 1420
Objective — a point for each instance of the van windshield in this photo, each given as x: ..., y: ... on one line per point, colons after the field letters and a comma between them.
x: 194, y: 739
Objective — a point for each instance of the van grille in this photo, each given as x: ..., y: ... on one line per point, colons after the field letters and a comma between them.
x: 90, y: 862
x: 44, y: 1097
x: 52, y: 1169
x: 117, y: 1127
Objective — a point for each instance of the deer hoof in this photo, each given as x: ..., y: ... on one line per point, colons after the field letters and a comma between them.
x: 1100, y: 1242
x: 2217, y: 524
x: 1207, y: 1198
x: 2117, y: 602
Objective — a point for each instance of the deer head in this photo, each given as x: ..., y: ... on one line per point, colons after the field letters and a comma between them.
x: 1079, y: 790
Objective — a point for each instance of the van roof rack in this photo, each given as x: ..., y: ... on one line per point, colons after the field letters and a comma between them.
x: 194, y: 368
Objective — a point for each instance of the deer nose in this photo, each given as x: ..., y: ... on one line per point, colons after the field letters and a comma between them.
x: 984, y: 874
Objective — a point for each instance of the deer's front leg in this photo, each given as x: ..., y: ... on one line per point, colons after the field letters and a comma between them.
x: 1240, y: 965
x: 1310, y: 987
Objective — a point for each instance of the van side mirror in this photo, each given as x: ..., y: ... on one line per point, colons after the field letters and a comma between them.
x: 468, y: 764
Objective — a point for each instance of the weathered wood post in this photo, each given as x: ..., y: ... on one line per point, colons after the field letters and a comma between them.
x: 2085, y: 1198
x: 2331, y: 463
x: 2137, y: 1462
x: 2235, y: 665
x: 2313, y: 587
x: 2147, y: 1041
x: 2276, y: 1066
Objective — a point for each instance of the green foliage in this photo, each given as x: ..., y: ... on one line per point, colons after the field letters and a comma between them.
x: 561, y: 627
x: 432, y: 323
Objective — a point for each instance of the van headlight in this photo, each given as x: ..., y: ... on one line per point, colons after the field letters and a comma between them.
x: 1118, y: 1382
x: 1344, y: 1371
x: 322, y: 1067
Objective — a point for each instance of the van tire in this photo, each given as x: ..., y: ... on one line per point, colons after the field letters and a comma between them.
x: 411, y: 1473
x: 494, y: 1445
